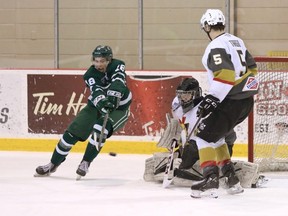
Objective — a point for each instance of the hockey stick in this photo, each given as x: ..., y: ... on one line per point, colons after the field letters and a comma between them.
x: 166, y: 180
x: 193, y: 129
x: 98, y: 147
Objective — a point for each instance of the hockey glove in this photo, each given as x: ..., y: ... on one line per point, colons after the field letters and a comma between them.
x: 208, y: 105
x: 104, y: 106
x: 114, y: 97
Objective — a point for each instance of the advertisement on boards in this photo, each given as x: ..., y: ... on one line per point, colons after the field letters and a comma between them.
x: 12, y: 104
x: 55, y: 100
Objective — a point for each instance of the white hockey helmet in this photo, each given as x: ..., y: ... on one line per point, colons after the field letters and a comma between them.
x: 212, y: 17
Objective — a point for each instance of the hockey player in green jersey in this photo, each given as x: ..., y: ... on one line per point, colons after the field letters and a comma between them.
x: 231, y: 74
x: 109, y: 97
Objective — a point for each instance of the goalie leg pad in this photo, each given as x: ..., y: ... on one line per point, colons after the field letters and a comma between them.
x: 160, y: 163
x: 186, y: 177
x: 188, y: 174
x: 172, y: 132
x: 156, y: 165
x: 248, y: 173
x: 149, y: 169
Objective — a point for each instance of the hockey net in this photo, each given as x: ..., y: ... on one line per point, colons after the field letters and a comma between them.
x: 268, y: 123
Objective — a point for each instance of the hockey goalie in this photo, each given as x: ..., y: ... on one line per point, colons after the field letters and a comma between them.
x: 179, y: 166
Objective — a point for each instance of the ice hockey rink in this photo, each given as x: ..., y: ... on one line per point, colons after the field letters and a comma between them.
x: 114, y: 186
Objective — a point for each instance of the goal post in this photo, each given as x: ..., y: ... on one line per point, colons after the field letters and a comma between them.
x: 268, y: 122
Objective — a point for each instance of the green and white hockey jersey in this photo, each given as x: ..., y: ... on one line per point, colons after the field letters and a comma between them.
x: 113, y: 80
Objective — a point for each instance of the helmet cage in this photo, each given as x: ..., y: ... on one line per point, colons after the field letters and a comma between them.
x: 186, y: 98
x: 187, y: 92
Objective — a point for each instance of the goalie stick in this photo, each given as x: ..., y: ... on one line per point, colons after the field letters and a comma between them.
x: 166, y: 180
x: 98, y: 147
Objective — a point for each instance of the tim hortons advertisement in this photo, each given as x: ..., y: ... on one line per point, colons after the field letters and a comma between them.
x: 55, y: 100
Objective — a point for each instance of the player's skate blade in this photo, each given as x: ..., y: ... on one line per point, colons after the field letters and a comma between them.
x: 212, y: 193
x: 38, y: 175
x: 82, y: 169
x: 80, y: 173
x: 206, y: 187
x: 78, y: 177
x: 45, y: 170
x: 236, y: 189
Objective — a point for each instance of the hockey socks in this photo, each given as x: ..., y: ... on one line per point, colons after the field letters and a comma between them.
x: 63, y: 148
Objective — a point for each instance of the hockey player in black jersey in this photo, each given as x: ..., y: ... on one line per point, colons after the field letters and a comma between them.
x: 109, y: 97
x: 231, y: 74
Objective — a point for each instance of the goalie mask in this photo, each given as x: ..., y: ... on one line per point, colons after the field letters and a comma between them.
x: 187, y: 92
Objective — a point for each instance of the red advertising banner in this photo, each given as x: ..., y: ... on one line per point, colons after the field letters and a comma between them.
x: 151, y: 101
x: 54, y: 101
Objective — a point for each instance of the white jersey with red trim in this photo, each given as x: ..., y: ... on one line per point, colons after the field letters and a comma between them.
x: 231, y: 68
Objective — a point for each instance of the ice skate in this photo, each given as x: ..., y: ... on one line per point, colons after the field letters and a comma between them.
x: 208, y: 186
x: 231, y: 180
x: 262, y: 180
x: 82, y: 169
x: 45, y: 170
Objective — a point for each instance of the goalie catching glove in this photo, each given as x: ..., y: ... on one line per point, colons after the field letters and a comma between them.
x: 208, y: 105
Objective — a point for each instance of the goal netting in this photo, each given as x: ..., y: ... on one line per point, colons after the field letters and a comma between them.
x: 268, y: 124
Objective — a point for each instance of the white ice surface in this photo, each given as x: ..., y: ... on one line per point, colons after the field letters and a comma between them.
x: 114, y: 186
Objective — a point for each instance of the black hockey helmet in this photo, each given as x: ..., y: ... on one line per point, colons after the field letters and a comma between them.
x: 187, y: 91
x: 103, y: 51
